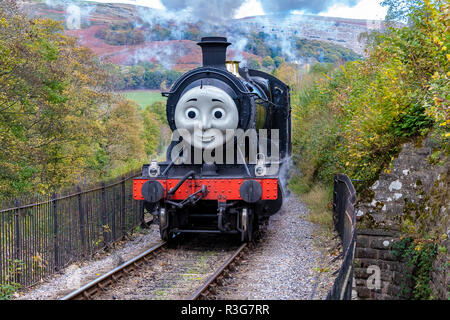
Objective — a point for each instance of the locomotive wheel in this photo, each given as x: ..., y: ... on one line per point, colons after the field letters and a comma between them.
x: 145, y: 216
x: 165, y: 234
x: 247, y: 225
x: 164, y: 225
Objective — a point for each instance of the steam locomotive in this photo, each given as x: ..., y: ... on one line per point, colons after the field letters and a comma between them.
x: 231, y: 141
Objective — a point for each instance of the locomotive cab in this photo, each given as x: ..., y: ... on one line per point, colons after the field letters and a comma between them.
x: 231, y: 138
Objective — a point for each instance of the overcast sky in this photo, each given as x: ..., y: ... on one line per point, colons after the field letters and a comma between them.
x: 364, y: 9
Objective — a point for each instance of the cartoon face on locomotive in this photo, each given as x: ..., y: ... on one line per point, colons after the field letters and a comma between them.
x: 231, y: 140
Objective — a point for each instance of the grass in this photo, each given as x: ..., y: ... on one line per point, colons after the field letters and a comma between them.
x: 318, y: 199
x: 160, y: 294
x: 143, y: 97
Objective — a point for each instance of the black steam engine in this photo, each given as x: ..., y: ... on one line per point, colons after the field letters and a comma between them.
x: 231, y: 142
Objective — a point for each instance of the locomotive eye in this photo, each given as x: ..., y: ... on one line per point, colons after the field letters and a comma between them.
x: 191, y: 113
x: 218, y: 113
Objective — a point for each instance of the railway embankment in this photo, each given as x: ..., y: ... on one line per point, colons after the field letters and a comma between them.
x: 288, y: 261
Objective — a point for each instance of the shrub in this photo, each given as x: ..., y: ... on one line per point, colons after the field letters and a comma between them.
x: 353, y: 119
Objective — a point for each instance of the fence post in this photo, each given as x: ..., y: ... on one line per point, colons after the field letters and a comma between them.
x: 123, y: 211
x: 335, y: 201
x: 344, y: 198
x: 113, y: 216
x: 18, y: 251
x: 82, y: 226
x: 55, y: 230
x: 103, y: 212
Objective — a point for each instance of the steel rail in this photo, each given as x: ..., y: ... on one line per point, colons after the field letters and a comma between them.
x: 202, y: 291
x: 92, y: 288
x: 99, y: 284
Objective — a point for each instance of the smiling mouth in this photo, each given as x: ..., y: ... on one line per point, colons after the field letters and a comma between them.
x: 206, y: 139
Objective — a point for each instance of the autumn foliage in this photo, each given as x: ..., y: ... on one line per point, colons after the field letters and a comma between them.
x: 59, y: 122
x: 354, y: 119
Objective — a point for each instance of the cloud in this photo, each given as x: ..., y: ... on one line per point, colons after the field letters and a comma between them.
x: 309, y: 6
x: 217, y: 11
x: 249, y: 8
x: 365, y: 9
x: 206, y: 10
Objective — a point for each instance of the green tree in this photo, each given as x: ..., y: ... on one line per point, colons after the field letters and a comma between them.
x: 278, y: 61
x: 268, y: 62
x: 59, y: 122
x: 151, y: 133
x: 254, y: 64
x: 158, y: 108
x: 122, y: 139
x: 399, y: 10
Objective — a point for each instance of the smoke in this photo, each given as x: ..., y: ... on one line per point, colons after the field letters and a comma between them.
x: 284, y: 176
x: 159, y: 54
x: 154, y: 17
x: 75, y: 14
x: 238, y: 45
x: 287, y: 49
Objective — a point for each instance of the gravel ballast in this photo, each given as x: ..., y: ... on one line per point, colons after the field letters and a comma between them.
x: 291, y: 262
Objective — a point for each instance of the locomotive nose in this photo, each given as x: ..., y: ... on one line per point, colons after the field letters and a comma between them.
x: 204, y: 123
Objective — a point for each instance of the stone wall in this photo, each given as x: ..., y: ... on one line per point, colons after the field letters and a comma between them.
x: 373, y: 249
x: 410, y: 197
x: 413, y: 188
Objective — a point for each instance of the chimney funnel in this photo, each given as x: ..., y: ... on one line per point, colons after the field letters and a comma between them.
x: 214, y: 51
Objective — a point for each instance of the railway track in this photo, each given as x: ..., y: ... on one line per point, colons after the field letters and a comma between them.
x: 164, y: 272
x: 208, y: 287
x: 99, y: 285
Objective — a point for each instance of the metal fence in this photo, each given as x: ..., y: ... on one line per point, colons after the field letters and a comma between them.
x: 344, y: 218
x: 41, y: 234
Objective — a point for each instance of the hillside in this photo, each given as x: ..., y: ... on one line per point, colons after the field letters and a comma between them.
x: 128, y: 35
x: 339, y: 31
